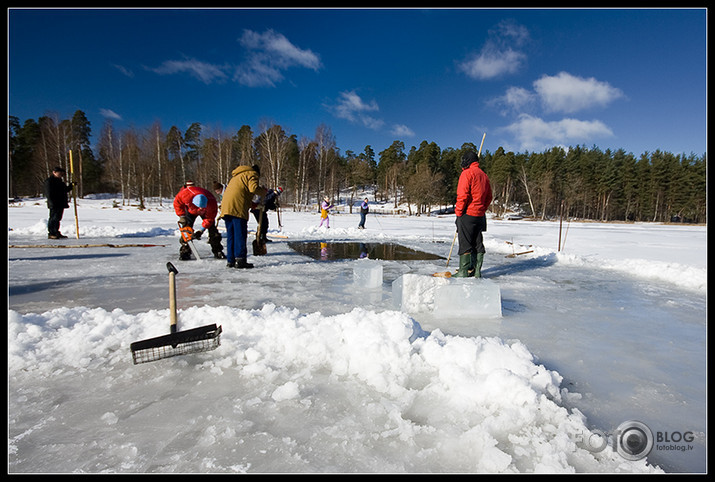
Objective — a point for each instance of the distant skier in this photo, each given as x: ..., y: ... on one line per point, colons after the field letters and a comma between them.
x: 364, y: 209
x: 474, y: 195
x: 192, y: 202
x: 325, y: 208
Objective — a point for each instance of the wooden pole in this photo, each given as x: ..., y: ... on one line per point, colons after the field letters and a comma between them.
x: 74, y: 195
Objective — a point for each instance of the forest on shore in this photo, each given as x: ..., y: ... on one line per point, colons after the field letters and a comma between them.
x: 138, y: 163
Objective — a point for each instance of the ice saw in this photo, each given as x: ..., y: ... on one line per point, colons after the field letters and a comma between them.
x: 195, y: 340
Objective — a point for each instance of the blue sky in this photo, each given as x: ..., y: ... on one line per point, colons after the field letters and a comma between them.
x: 530, y: 78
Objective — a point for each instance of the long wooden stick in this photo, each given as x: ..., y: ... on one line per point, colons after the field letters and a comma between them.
x: 74, y: 195
x: 104, y: 245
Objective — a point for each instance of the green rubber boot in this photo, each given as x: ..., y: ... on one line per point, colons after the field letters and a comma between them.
x: 465, y: 264
x: 477, y: 261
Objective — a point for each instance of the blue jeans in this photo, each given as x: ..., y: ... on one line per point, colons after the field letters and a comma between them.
x: 236, y: 234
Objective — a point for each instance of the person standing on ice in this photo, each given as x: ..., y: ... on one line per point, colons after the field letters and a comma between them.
x: 192, y: 202
x: 235, y: 206
x: 269, y: 204
x: 56, y: 193
x: 364, y: 208
x: 325, y: 208
x: 474, y: 195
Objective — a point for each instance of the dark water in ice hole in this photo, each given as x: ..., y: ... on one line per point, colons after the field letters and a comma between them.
x: 323, y: 251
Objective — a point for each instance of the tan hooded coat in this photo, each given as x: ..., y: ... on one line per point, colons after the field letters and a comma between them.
x: 239, y: 192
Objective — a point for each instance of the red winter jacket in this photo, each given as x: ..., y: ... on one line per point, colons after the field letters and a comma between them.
x: 183, y: 205
x: 474, y: 192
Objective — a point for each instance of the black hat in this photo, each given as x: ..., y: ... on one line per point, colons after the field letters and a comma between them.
x: 58, y: 169
x: 468, y: 158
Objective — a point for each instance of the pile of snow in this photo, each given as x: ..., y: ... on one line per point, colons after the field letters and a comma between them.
x: 357, y: 392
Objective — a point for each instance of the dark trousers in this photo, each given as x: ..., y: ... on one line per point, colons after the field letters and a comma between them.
x: 469, y: 229
x: 236, y: 234
x: 264, y: 223
x: 53, y: 223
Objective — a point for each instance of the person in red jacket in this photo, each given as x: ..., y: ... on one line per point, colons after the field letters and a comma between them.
x: 192, y: 202
x: 474, y: 195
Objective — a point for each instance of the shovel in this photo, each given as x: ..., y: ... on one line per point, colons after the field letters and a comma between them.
x: 196, y: 340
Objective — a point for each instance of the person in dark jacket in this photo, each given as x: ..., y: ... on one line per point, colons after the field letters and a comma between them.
x: 364, y: 209
x: 56, y: 193
x: 474, y: 195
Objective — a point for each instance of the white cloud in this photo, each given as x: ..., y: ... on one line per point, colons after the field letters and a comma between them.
x: 567, y: 93
x: 516, y: 99
x: 205, y: 72
x: 490, y: 64
x: 269, y: 54
x: 534, y: 133
x: 124, y: 70
x: 110, y: 114
x: 351, y: 107
x: 401, y: 130
x: 500, y: 54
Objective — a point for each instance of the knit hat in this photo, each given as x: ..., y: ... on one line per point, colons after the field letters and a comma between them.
x: 200, y: 201
x: 468, y: 158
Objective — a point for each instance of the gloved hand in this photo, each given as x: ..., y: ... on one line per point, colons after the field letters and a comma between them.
x: 183, y: 221
x: 197, y: 234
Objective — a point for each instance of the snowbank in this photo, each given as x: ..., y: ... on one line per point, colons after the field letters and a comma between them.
x: 409, y: 400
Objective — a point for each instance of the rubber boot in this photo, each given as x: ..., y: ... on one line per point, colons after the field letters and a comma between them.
x: 465, y: 261
x: 477, y: 261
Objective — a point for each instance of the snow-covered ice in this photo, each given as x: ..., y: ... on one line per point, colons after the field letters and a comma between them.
x: 315, y: 374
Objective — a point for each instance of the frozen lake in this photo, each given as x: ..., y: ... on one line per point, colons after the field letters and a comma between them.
x: 620, y: 314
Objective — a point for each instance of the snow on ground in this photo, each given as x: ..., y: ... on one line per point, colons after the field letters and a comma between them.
x: 315, y: 374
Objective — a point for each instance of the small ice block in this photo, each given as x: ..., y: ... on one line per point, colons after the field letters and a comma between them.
x: 468, y: 298
x: 367, y: 273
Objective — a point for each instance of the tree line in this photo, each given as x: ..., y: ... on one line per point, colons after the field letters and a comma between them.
x: 141, y: 163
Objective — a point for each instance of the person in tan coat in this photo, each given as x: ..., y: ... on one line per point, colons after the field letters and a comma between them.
x: 235, y: 207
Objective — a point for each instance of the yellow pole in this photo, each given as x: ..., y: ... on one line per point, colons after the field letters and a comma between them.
x: 74, y: 195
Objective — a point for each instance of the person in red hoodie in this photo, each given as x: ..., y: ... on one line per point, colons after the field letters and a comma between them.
x: 474, y: 195
x: 192, y: 202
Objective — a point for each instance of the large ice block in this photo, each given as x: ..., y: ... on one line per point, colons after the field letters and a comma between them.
x: 447, y: 297
x: 414, y: 293
x: 468, y: 298
x: 367, y: 274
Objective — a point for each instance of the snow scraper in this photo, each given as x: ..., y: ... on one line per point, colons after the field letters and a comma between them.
x: 195, y: 340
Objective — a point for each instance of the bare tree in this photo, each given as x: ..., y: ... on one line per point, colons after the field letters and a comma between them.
x: 272, y: 146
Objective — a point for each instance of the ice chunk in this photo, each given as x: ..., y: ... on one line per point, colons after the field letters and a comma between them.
x: 367, y: 274
x: 414, y: 293
x: 468, y: 298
